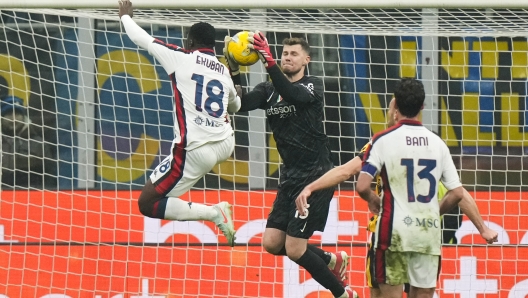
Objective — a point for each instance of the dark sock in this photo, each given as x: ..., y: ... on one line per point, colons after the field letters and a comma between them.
x: 326, y: 256
x: 320, y: 272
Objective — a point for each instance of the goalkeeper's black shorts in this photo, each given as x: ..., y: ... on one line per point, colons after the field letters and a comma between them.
x: 283, y: 215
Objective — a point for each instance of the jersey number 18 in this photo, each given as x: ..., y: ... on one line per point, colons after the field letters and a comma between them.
x: 211, y: 98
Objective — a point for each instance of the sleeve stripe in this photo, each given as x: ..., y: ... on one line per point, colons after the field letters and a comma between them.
x: 378, y: 136
x: 369, y: 169
x: 171, y: 46
x: 366, y: 153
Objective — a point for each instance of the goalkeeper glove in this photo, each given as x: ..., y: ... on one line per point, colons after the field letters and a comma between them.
x: 234, y: 68
x: 259, y: 43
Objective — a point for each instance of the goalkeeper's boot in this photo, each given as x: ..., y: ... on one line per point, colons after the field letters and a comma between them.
x: 351, y: 293
x: 338, y: 265
x: 224, y: 221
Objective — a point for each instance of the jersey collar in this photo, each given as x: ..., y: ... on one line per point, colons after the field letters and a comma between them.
x: 410, y: 122
x: 206, y: 51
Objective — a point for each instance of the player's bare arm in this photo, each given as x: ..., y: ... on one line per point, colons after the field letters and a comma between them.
x: 125, y: 8
x: 331, y: 178
x: 366, y: 193
x: 469, y: 208
x: 451, y: 199
x: 137, y: 34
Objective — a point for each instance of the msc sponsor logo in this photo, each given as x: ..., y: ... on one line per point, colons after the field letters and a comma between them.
x: 199, y: 120
x: 211, y: 123
x: 422, y: 222
x: 428, y: 222
x: 283, y: 111
x: 408, y: 221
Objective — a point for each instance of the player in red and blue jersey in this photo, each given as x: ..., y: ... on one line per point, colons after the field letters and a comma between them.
x: 204, y: 94
x: 346, y: 171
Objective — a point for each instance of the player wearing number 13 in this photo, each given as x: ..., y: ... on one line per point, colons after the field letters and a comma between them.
x: 203, y: 95
x: 410, y: 160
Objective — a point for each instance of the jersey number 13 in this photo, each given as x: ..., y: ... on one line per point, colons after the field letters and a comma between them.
x: 425, y: 173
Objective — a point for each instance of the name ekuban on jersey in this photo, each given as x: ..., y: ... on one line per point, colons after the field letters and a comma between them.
x: 202, y: 89
x: 410, y: 161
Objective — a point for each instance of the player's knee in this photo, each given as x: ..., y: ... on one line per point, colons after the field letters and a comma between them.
x: 294, y: 253
x: 273, y: 242
x: 270, y: 248
x: 148, y: 199
x: 294, y: 256
x: 145, y: 207
x: 273, y: 248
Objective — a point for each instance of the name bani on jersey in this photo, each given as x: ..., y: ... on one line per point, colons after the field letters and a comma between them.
x: 213, y: 65
x: 417, y: 141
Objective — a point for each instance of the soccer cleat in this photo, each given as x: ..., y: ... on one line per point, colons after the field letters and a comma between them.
x: 224, y: 221
x: 338, y: 265
x: 351, y: 293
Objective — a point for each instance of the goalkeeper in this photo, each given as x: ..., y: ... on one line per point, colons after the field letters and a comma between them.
x: 344, y: 172
x: 293, y: 103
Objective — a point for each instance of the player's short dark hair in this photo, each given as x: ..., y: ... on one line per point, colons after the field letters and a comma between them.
x: 291, y: 41
x: 410, y: 96
x: 203, y: 34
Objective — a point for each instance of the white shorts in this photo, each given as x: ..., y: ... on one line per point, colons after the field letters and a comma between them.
x: 178, y: 172
x: 397, y: 268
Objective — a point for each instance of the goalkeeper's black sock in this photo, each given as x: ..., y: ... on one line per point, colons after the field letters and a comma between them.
x: 320, y: 272
x: 326, y: 256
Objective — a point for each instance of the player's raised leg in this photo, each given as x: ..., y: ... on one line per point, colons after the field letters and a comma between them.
x: 274, y: 240
x: 174, y: 176
x: 316, y: 267
x: 274, y: 243
x: 336, y: 262
x: 286, y: 228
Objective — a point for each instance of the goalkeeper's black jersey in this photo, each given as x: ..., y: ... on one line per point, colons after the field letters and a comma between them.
x: 295, y: 117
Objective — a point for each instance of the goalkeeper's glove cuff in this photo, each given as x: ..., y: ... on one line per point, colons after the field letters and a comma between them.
x: 270, y: 63
x: 234, y: 72
x: 236, y: 78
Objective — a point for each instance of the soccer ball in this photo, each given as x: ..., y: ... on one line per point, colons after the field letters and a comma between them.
x: 239, y: 50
